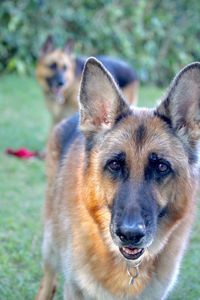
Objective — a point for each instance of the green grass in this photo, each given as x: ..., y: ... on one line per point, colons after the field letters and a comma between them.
x: 24, y: 121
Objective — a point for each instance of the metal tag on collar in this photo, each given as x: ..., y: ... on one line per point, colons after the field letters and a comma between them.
x: 132, y: 275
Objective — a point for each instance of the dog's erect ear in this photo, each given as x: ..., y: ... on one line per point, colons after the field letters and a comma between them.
x: 69, y: 46
x: 48, y: 46
x: 101, y: 103
x: 181, y: 106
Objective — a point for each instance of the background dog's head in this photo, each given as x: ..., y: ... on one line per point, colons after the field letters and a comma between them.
x: 141, y: 163
x: 55, y: 68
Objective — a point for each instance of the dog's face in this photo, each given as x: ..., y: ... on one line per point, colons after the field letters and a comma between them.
x: 140, y: 162
x: 55, y: 69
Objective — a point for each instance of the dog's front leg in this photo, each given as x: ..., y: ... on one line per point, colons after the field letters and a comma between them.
x: 71, y: 292
x: 48, y: 285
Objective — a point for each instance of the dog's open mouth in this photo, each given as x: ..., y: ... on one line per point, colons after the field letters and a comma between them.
x: 131, y: 253
x: 58, y: 93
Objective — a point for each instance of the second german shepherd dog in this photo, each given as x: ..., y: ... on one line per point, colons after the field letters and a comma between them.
x: 59, y: 74
x: 121, y: 191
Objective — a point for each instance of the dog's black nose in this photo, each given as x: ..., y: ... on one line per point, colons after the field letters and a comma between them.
x: 60, y: 82
x: 131, y: 233
x: 59, y: 79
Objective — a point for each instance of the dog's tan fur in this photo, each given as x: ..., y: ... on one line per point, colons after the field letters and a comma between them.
x: 80, y: 197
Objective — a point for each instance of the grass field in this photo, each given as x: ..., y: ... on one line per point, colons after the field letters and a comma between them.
x: 24, y: 122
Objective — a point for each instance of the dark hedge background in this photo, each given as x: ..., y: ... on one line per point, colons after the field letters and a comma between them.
x: 157, y: 37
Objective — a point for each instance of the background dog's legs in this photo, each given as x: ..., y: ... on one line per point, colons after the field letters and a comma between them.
x: 48, y: 285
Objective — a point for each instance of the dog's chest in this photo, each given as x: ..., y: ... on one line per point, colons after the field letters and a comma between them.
x: 82, y: 280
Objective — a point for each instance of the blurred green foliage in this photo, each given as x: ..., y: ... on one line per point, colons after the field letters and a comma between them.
x: 157, y: 36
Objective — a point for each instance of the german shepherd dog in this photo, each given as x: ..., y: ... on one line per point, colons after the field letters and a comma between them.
x: 59, y: 74
x: 121, y: 191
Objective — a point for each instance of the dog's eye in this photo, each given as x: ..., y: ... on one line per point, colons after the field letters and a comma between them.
x: 159, y: 166
x: 53, y: 66
x: 114, y: 166
x: 64, y: 68
x: 163, y: 168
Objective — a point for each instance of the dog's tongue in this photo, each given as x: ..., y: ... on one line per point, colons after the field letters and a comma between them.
x: 58, y: 92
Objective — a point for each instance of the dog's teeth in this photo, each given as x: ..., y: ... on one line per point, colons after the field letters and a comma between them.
x: 131, y: 251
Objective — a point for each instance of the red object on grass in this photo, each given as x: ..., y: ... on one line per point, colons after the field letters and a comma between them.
x: 22, y: 153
